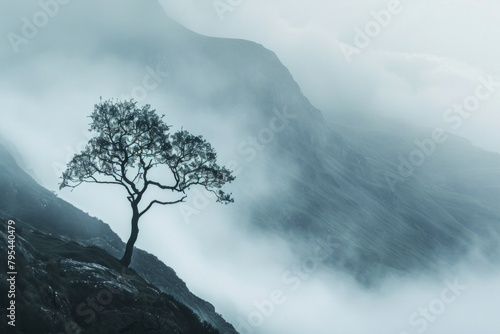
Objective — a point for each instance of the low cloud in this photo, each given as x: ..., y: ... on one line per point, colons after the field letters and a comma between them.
x: 429, y: 58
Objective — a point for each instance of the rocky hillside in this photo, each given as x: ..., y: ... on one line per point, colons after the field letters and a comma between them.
x: 52, y: 239
x: 64, y: 287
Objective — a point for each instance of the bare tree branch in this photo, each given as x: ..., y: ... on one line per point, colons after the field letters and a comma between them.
x: 161, y: 203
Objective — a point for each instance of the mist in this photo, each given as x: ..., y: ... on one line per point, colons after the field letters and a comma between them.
x: 428, y: 57
x: 431, y: 56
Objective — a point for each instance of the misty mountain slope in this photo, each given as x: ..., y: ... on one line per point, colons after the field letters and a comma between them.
x: 309, y: 181
x: 338, y: 189
x: 65, y: 285
x: 458, y: 186
x: 433, y: 219
x: 336, y: 184
x: 22, y: 198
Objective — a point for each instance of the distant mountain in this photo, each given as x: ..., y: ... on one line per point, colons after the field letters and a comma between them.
x: 53, y: 229
x: 337, y: 182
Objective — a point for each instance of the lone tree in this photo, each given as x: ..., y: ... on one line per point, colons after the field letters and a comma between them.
x: 130, y: 142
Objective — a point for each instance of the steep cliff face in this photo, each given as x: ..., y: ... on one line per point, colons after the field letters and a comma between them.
x: 63, y: 287
x: 49, y: 223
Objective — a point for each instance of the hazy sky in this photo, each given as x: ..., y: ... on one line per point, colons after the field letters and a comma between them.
x: 427, y: 58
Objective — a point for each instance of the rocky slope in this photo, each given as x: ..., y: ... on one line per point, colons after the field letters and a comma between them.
x: 23, y: 200
x: 63, y: 287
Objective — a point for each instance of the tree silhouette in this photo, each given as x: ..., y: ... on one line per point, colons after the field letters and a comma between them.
x: 130, y: 142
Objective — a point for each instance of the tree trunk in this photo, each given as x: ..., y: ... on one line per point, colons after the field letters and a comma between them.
x: 127, y: 257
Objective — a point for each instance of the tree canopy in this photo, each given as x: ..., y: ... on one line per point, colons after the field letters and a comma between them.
x: 130, y: 141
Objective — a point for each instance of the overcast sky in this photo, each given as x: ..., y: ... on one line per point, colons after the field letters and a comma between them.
x: 426, y: 58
